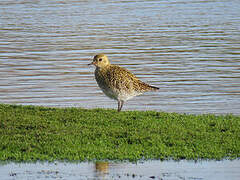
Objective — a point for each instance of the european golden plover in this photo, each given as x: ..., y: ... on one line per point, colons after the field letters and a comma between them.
x: 117, y: 82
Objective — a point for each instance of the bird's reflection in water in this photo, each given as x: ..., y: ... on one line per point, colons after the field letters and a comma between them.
x: 102, y: 169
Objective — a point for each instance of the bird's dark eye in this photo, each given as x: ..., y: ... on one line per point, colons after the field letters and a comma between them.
x: 100, y: 59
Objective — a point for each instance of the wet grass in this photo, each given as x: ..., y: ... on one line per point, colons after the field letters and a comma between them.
x: 29, y: 133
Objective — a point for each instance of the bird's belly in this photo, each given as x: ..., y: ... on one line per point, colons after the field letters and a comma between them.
x: 111, y: 94
x: 127, y: 95
x: 119, y: 95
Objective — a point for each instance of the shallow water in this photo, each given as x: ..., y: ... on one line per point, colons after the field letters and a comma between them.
x: 164, y: 170
x: 189, y: 49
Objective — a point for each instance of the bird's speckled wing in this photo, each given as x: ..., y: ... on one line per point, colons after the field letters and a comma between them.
x: 116, y: 77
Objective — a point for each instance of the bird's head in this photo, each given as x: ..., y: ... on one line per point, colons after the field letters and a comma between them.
x: 100, y: 61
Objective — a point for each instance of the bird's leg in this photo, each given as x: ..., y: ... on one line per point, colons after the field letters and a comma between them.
x: 120, y: 104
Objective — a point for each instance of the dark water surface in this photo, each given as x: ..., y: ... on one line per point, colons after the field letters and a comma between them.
x: 161, y: 170
x: 190, y: 49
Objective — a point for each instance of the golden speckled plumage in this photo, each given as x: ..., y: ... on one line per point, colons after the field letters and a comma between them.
x: 117, y: 82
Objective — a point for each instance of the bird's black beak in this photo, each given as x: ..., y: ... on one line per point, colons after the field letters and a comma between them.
x: 90, y: 64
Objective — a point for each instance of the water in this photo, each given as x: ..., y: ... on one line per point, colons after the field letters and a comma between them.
x: 190, y: 49
x: 164, y: 170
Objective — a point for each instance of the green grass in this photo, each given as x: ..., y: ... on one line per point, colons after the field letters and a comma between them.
x: 29, y: 133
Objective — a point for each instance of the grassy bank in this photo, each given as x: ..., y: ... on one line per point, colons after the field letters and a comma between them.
x: 40, y: 133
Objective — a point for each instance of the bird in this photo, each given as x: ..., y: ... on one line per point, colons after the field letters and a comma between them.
x: 117, y: 82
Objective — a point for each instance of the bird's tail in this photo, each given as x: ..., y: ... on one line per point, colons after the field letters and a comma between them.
x: 147, y: 87
x: 153, y: 88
